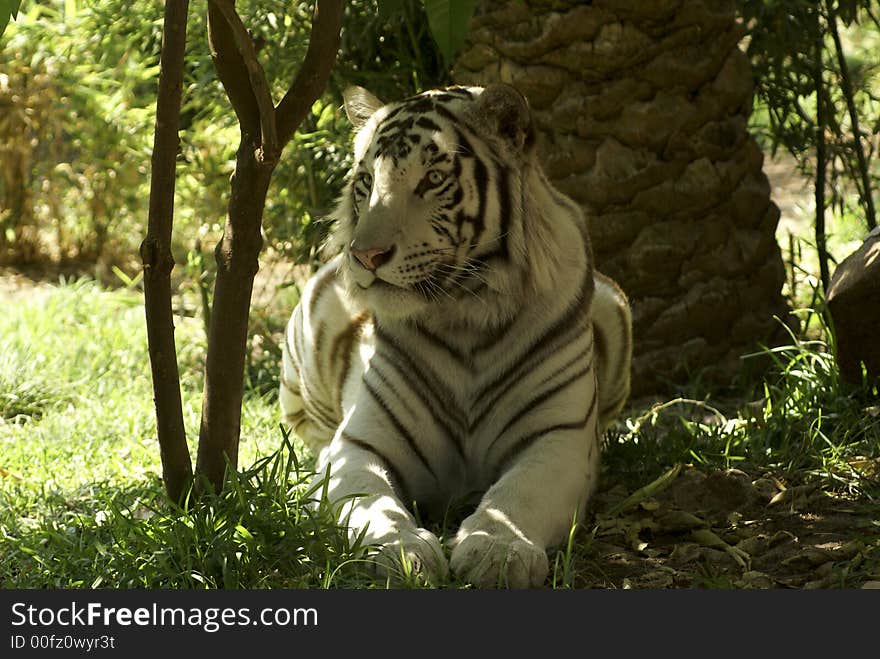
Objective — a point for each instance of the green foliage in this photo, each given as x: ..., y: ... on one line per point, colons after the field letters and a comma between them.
x: 8, y: 9
x: 804, y: 424
x: 794, y: 57
x: 76, y: 138
x: 25, y: 390
x: 80, y: 84
x: 268, y: 530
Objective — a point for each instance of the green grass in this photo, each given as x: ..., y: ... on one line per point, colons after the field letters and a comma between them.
x: 82, y: 505
x: 81, y: 498
x: 802, y: 422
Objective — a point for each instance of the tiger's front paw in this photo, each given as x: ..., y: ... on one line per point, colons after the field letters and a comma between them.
x: 413, y: 553
x: 492, y: 560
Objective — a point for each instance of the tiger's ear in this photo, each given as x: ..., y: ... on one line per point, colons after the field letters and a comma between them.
x: 359, y: 105
x: 507, y: 111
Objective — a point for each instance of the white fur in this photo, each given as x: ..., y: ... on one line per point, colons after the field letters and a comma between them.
x: 529, y: 498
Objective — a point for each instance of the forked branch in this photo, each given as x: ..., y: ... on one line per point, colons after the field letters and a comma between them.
x: 262, y: 95
x: 265, y: 130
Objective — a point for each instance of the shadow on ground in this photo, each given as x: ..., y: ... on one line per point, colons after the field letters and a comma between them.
x: 729, y: 529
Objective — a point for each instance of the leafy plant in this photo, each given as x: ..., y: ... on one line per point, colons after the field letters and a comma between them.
x: 8, y: 9
x: 817, y: 92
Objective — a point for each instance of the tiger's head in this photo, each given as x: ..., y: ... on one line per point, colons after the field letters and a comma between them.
x: 446, y: 211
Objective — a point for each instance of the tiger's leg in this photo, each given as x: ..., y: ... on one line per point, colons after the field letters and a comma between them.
x: 532, y: 505
x: 361, y: 480
x: 612, y: 330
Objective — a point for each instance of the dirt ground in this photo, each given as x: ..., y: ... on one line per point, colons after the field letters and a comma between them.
x: 729, y: 529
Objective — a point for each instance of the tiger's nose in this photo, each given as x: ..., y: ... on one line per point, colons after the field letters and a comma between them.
x: 372, y: 258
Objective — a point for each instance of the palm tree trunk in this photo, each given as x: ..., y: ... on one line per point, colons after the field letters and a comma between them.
x: 642, y: 109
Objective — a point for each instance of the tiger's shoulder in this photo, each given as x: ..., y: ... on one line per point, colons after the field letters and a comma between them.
x: 328, y: 341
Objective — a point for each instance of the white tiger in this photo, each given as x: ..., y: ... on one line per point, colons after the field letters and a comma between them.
x: 452, y: 348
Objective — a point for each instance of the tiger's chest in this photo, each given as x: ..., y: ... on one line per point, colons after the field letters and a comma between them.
x: 462, y: 402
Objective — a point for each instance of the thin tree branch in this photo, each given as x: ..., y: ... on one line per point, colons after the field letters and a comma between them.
x: 848, y: 94
x: 313, y: 74
x: 269, y: 149
x: 821, y: 157
x: 158, y: 261
x: 233, y: 72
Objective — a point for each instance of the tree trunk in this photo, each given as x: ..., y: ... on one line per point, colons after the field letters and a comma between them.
x: 237, y: 257
x: 641, y: 109
x: 265, y: 129
x: 158, y: 261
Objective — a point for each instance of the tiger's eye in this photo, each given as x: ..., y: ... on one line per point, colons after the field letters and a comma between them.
x: 435, y: 177
x: 365, y: 179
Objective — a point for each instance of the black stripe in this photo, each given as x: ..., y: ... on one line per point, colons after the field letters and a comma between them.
x: 435, y: 388
x: 448, y: 115
x: 428, y: 400
x: 525, y: 442
x: 504, y: 208
x: 318, y: 342
x: 316, y: 410
x: 427, y: 123
x: 437, y: 342
x: 537, y: 401
x: 439, y: 192
x: 539, y: 349
x: 290, y: 386
x: 535, y: 360
x: 450, y: 95
x: 459, y: 91
x: 374, y: 370
x: 443, y: 231
x: 342, y: 347
x: 399, y: 427
x: 571, y: 362
x: 418, y: 104
x: 399, y: 126
x: 323, y: 281
x: 294, y: 357
x: 481, y: 180
x: 393, y: 113
x: 395, y: 474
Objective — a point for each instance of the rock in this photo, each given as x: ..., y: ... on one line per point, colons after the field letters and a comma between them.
x: 766, y: 488
x: 755, y: 579
x: 754, y: 546
x: 854, y: 303
x: 731, y: 489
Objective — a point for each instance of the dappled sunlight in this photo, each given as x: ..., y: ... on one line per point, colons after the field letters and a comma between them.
x: 873, y: 253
